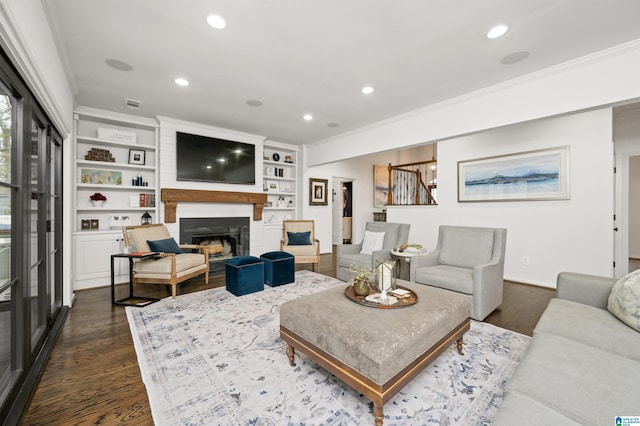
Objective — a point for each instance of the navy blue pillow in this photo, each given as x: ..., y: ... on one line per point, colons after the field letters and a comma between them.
x: 299, y: 238
x: 166, y: 246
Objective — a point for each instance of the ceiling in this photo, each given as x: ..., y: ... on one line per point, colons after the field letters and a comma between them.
x: 313, y: 56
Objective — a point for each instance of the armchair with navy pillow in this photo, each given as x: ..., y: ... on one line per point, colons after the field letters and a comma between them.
x: 174, y: 265
x: 299, y: 239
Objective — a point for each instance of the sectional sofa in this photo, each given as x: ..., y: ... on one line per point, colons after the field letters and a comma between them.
x: 583, y: 365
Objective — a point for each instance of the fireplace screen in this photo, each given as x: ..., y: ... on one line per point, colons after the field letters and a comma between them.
x: 226, y: 237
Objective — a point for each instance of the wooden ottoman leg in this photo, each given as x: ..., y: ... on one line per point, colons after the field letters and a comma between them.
x: 377, y: 411
x: 291, y: 353
x: 459, y: 345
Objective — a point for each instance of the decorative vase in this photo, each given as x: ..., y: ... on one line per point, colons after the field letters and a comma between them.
x: 97, y: 203
x: 361, y: 287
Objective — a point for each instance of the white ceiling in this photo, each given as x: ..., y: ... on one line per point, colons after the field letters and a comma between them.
x: 314, y: 56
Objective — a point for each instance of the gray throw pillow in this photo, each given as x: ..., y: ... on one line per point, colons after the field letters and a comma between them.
x: 624, y: 300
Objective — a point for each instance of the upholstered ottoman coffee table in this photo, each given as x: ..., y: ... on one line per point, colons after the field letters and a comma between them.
x: 375, y: 351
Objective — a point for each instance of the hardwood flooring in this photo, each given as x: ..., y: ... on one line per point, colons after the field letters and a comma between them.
x: 92, y: 377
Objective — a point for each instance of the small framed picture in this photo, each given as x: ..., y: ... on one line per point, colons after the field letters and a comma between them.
x: 86, y: 224
x: 136, y: 156
x: 95, y: 224
x: 318, y: 192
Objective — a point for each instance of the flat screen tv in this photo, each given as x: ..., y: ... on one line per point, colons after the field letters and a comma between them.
x: 206, y: 159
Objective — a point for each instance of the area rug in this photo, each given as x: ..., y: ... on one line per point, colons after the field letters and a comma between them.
x: 210, y: 358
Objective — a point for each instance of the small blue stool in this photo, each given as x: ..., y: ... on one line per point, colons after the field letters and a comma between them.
x: 244, y: 275
x: 279, y: 268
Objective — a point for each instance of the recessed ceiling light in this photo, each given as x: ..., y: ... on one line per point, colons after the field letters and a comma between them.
x: 181, y: 81
x: 497, y: 31
x: 515, y: 57
x: 308, y: 117
x: 367, y: 90
x: 119, y: 65
x: 216, y: 21
x: 254, y: 103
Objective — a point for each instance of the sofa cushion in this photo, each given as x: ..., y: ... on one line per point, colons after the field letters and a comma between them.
x: 373, y: 241
x: 357, y: 259
x: 624, y: 300
x: 184, y: 261
x: 465, y: 247
x: 447, y: 277
x: 299, y: 238
x: 167, y: 245
x: 589, y: 325
x: 519, y: 409
x: 311, y: 250
x: 589, y: 385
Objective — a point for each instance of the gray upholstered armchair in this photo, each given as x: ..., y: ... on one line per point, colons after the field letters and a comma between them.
x: 395, y: 234
x: 466, y: 260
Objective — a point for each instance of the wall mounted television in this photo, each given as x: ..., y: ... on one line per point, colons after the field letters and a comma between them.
x: 206, y: 159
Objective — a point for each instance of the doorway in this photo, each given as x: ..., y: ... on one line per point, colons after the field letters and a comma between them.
x: 342, y: 211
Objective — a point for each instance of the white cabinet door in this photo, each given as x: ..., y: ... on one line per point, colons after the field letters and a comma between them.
x: 93, y: 260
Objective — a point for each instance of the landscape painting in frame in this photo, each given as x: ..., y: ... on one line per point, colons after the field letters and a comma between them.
x: 532, y: 175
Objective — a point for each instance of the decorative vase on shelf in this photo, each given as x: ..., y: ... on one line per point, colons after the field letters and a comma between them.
x: 361, y: 287
x: 97, y: 203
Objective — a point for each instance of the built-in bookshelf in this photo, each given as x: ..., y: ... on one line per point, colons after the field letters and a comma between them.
x: 116, y: 178
x: 280, y: 182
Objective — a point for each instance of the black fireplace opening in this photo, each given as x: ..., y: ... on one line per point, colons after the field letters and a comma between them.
x: 226, y: 237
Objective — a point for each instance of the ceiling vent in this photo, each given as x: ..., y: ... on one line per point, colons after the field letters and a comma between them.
x: 132, y: 103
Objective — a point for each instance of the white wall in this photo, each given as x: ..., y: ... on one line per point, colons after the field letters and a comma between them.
x: 28, y: 40
x: 566, y: 235
x: 168, y: 129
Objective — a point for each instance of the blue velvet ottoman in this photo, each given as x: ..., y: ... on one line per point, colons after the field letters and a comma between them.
x: 279, y: 268
x: 244, y: 275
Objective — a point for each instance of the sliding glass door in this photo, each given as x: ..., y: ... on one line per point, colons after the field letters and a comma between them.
x: 8, y: 278
x: 30, y: 239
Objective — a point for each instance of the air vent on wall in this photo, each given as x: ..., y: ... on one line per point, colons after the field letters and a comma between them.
x: 132, y: 103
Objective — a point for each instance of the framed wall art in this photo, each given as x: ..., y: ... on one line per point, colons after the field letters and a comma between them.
x: 318, y: 192
x: 525, y: 176
x: 136, y: 156
x: 380, y: 186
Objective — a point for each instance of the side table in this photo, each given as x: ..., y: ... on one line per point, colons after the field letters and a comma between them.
x: 403, y: 272
x: 132, y: 300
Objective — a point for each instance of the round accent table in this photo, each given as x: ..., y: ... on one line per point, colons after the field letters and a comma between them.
x: 404, y: 264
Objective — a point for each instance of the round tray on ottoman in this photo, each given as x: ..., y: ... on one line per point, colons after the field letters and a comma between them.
x: 412, y: 299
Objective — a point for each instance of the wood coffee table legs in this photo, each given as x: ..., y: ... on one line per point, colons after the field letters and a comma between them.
x: 377, y: 393
x: 291, y: 352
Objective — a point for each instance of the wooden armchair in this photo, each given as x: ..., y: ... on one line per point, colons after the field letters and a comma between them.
x: 172, y: 267
x: 299, y: 239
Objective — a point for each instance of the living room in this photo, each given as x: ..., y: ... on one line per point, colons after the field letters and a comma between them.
x: 587, y: 103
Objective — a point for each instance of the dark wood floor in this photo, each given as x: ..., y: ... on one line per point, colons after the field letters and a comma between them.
x: 92, y: 377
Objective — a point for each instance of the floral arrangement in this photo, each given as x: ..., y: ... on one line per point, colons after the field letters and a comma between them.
x: 362, y: 273
x: 97, y: 197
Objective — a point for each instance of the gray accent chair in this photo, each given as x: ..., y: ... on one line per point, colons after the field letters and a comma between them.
x: 467, y: 260
x: 395, y: 234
